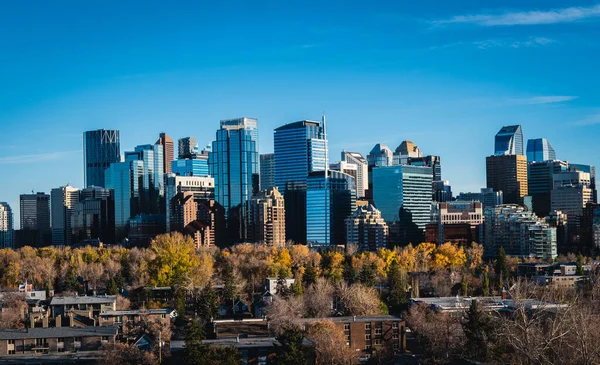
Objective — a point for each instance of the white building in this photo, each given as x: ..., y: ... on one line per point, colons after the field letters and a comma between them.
x: 362, y: 171
x: 6, y: 226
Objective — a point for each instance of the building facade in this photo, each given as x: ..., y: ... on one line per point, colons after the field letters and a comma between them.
x: 367, y: 229
x: 35, y: 219
x: 267, y: 218
x: 458, y: 222
x: 6, y: 226
x: 63, y: 202
x: 509, y: 141
x: 168, y: 151
x: 126, y: 179
x: 362, y: 171
x: 93, y: 216
x: 100, y: 149
x: 187, y: 148
x: 508, y: 173
x: 152, y: 188
x: 267, y: 171
x: 487, y: 196
x: 540, y: 182
x: 380, y: 156
x: 539, y: 150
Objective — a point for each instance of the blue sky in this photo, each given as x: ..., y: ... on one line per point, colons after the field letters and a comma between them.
x: 446, y: 75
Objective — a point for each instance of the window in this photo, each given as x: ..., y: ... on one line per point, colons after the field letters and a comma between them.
x: 378, y: 342
x: 396, y: 347
x: 11, y: 342
x: 32, y: 294
x: 395, y: 336
x: 367, y: 326
x: 104, y: 338
x: 367, y: 347
x: 378, y: 331
x: 368, y: 336
x: 346, y: 326
x: 395, y: 325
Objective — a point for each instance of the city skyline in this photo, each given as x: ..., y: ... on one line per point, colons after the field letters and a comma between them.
x: 445, y: 76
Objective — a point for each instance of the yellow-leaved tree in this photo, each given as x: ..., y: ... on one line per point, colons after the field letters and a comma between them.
x: 449, y: 256
x: 175, y: 260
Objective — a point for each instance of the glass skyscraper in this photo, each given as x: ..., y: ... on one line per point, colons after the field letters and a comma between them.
x: 6, y: 226
x: 509, y: 141
x: 540, y: 149
x: 329, y: 201
x: 267, y: 172
x: 191, y: 167
x: 126, y: 180
x: 100, y: 149
x: 233, y: 163
x: 540, y: 183
x: 153, y: 188
x: 299, y: 149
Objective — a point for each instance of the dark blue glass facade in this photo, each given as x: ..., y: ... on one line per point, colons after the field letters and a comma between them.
x: 540, y: 150
x: 190, y: 167
x: 509, y: 141
x: 100, y: 149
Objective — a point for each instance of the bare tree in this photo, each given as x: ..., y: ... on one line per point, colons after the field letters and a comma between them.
x: 331, y: 345
x: 318, y: 299
x: 359, y: 300
x: 14, y: 309
x: 285, y: 313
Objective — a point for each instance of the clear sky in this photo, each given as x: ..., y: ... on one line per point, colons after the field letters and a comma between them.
x: 444, y: 74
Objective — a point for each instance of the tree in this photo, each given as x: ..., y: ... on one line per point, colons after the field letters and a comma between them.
x: 207, y: 305
x: 486, y: 283
x: 175, y: 260
x: 319, y: 299
x: 349, y: 274
x: 330, y: 344
x: 193, y: 351
x: 580, y: 270
x: 478, y: 330
x: 125, y: 354
x: 310, y: 275
x: 367, y: 276
x: 464, y: 287
x: 359, y: 300
x: 502, y: 267
x: 285, y: 313
x: 289, y: 351
x: 13, y: 310
x: 112, y: 288
x: 197, y: 353
x: 397, y: 284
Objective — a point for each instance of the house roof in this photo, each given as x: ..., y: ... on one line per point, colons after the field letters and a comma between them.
x: 346, y: 319
x: 74, y: 300
x: 137, y: 312
x: 55, y: 332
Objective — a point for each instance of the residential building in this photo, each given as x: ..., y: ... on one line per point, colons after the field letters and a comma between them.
x: 130, y: 319
x: 300, y: 148
x: 267, y: 218
x: 539, y: 150
x: 100, y: 149
x: 540, y: 182
x: 558, y: 220
x: 509, y: 141
x: 362, y: 171
x: 487, y: 196
x: 403, y: 195
x: 202, y: 188
x: 63, y: 202
x: 267, y: 171
x: 367, y: 229
x: 6, y: 226
x: 87, y: 306
x: 520, y: 232
x: 508, y: 173
x: 329, y: 201
x: 212, y: 215
x: 187, y: 148
x: 458, y: 222
x: 380, y: 156
x: 93, y: 216
x: 233, y: 163
x: 168, y: 151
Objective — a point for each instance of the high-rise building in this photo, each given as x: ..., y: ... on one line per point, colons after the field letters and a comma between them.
x: 126, y: 179
x: 233, y: 163
x: 380, y: 156
x: 347, y: 168
x: 487, y: 196
x: 508, y: 173
x: 406, y: 150
x: 570, y: 194
x: 457, y: 222
x: 590, y: 170
x: 191, y: 167
x: 300, y: 148
x: 519, y: 231
x: 63, y: 200
x: 35, y: 211
x: 329, y: 201
x: 509, y: 141
x: 362, y: 171
x: 168, y: 151
x: 540, y: 149
x: 590, y: 230
x: 93, y: 216
x: 267, y: 218
x: 442, y: 191
x: 403, y: 195
x: 202, y: 189
x: 540, y: 182
x: 366, y: 229
x: 6, y: 226
x: 100, y: 149
x: 267, y: 171
x: 187, y: 148
x: 152, y: 189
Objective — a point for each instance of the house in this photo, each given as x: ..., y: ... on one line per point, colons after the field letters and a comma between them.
x: 271, y: 284
x: 27, y: 341
x: 125, y: 320
x: 88, y: 306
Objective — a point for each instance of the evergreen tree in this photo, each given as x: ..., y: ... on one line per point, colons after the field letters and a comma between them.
x: 194, y: 348
x: 112, y: 288
x: 367, y: 276
x: 485, y: 287
x: 464, y: 286
x: 230, y: 289
x: 207, y: 305
x: 290, y: 351
x: 296, y: 288
x: 310, y: 275
x: 502, y: 267
x: 478, y: 329
x: 349, y: 274
x: 580, y: 265
x: 397, y: 284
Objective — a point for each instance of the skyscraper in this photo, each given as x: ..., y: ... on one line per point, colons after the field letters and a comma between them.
x: 93, y: 216
x: 35, y: 211
x: 197, y: 166
x: 540, y: 182
x: 329, y: 201
x: 570, y: 194
x: 63, y: 200
x: 508, y: 173
x: 6, y: 226
x: 367, y: 229
x: 403, y: 195
x: 233, y: 163
x: 380, y: 156
x: 509, y: 141
x: 126, y: 179
x: 362, y: 171
x: 187, y: 147
x: 152, y: 189
x: 299, y: 149
x: 406, y: 150
x: 488, y: 197
x: 100, y: 149
x: 267, y: 218
x: 168, y: 151
x: 540, y: 150
x: 267, y: 171
x: 592, y: 171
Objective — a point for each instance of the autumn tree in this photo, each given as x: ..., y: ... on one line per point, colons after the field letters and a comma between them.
x: 14, y: 309
x: 125, y: 354
x: 359, y: 300
x: 285, y: 313
x: 175, y: 261
x: 319, y: 298
x: 330, y: 344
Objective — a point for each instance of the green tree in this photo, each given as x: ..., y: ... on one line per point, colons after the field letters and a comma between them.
x: 485, y: 286
x: 464, y: 286
x: 290, y: 351
x: 367, y: 275
x: 478, y: 331
x: 502, y: 267
x: 580, y: 265
x: 207, y: 305
x: 296, y: 288
x: 310, y: 275
x: 112, y: 288
x: 397, y: 284
x: 230, y: 289
x: 193, y: 344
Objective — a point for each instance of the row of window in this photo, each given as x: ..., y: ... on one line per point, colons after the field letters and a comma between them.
x: 368, y: 327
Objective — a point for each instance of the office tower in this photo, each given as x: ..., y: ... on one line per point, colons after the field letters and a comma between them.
x: 6, y: 226
x: 187, y: 148
x: 267, y: 218
x: 362, y: 171
x: 520, y: 232
x: 299, y: 149
x: 380, y: 156
x: 590, y: 170
x: 267, y: 171
x: 93, y: 216
x: 168, y: 151
x: 100, y: 149
x: 191, y: 167
x: 488, y: 197
x: 329, y: 201
x: 442, y: 191
x: 143, y: 228
x: 509, y: 141
x: 233, y: 163
x: 540, y: 149
x: 202, y: 189
x: 366, y: 229
x: 508, y: 173
x: 570, y: 194
x: 590, y: 230
x: 152, y: 189
x: 62, y: 203
x: 456, y: 222
x: 540, y: 182
x: 403, y: 195
x: 35, y: 211
x: 126, y: 179
x: 406, y: 150
x: 347, y: 168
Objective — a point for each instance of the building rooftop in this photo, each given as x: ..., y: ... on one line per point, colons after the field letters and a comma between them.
x: 347, y: 319
x: 456, y: 304
x: 55, y: 332
x: 134, y: 312
x: 75, y: 300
